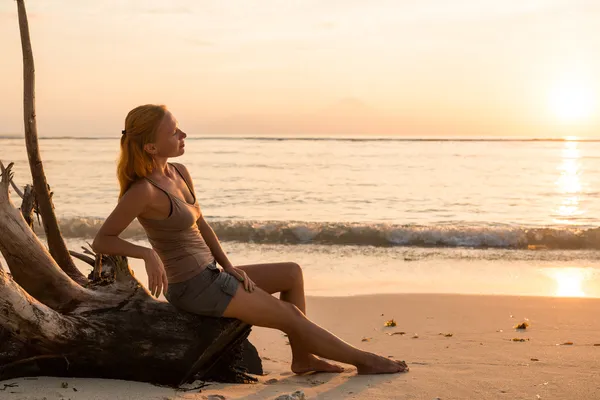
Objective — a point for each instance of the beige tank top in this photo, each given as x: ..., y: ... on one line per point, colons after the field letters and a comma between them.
x: 177, y: 239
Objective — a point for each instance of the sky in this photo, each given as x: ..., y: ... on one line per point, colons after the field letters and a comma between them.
x: 270, y: 67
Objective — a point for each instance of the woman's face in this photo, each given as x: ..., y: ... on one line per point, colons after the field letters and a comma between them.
x: 169, y: 138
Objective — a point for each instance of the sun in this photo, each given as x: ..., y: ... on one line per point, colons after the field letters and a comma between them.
x: 573, y: 101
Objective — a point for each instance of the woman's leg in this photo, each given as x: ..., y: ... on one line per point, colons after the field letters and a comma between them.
x: 261, y: 309
x: 286, y: 278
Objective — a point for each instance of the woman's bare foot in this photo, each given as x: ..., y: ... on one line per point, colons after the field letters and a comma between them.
x: 314, y: 364
x: 375, y: 364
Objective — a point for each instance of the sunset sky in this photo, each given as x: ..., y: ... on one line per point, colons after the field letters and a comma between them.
x: 413, y: 68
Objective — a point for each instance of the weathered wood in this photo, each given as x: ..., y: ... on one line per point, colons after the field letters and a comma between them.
x: 28, y: 205
x: 56, y: 244
x: 16, y: 189
x: 232, y: 336
x: 83, y: 257
x: 129, y: 335
x: 30, y: 264
x: 28, y: 199
x: 138, y: 338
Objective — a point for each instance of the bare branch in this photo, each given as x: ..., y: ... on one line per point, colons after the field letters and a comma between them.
x: 29, y: 206
x: 56, y: 244
x: 16, y: 188
x: 85, y: 258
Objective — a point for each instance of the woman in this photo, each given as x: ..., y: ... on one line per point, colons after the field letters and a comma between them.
x: 185, y: 251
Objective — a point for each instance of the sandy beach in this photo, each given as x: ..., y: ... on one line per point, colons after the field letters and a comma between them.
x: 479, y: 360
x: 433, y: 167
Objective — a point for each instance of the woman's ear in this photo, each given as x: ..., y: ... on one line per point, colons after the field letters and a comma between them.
x: 150, y: 148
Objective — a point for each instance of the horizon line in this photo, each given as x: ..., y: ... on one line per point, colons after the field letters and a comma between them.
x: 357, y: 138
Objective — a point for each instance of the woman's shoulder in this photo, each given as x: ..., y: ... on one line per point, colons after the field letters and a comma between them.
x: 141, y: 188
x: 181, y: 167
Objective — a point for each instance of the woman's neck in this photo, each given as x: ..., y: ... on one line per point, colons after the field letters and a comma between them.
x: 160, y: 167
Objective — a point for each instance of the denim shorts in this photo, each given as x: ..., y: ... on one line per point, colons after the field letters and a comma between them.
x: 207, y: 293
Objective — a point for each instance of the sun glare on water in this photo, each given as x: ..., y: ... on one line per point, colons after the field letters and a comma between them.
x: 569, y: 281
x: 573, y: 102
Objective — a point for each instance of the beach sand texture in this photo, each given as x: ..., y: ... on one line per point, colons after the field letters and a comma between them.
x: 479, y: 361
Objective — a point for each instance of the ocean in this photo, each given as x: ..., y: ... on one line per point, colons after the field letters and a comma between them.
x: 364, y: 216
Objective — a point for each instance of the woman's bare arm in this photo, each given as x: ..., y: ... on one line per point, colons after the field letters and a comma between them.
x: 107, y: 240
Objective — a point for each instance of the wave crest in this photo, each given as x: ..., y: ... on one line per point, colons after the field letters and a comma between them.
x: 373, y: 234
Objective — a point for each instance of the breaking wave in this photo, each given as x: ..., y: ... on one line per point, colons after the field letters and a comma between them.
x: 373, y: 234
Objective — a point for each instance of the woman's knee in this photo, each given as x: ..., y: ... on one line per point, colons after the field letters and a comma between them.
x: 295, y: 271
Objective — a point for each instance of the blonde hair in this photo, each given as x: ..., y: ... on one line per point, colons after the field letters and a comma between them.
x: 134, y: 162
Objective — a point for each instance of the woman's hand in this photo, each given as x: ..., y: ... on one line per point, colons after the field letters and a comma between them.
x: 157, y: 277
x: 241, y: 276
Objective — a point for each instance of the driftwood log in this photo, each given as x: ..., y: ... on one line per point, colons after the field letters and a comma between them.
x: 56, y: 321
